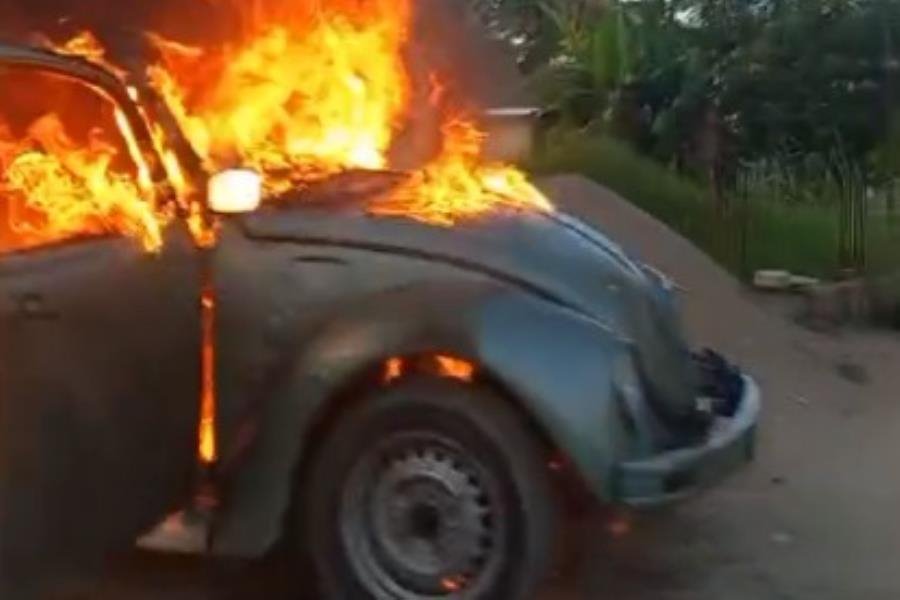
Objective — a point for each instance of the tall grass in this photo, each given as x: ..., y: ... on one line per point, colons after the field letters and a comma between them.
x: 759, y: 233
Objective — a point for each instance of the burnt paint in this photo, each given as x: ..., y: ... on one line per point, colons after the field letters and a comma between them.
x: 550, y: 255
x: 99, y: 380
x: 307, y: 300
x: 297, y: 321
x: 335, y: 291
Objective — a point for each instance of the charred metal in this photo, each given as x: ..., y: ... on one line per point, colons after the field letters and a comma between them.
x: 322, y: 311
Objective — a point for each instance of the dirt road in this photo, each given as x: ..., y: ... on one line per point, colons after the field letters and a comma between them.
x: 815, y: 518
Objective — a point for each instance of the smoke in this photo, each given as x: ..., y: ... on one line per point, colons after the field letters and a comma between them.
x: 98, y: 15
x: 446, y: 38
x: 452, y: 42
x: 446, y: 41
x: 120, y: 25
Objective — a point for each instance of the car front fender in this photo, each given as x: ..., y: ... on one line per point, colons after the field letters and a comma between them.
x: 557, y: 364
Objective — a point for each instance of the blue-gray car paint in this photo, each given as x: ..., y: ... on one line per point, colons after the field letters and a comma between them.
x: 311, y: 299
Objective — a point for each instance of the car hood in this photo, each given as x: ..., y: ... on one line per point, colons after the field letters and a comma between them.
x: 554, y: 256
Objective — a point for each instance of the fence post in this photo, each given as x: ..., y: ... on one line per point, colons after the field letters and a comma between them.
x: 844, y: 250
x: 744, y: 215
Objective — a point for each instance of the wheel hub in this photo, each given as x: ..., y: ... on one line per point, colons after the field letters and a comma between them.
x: 425, y: 522
x: 429, y: 516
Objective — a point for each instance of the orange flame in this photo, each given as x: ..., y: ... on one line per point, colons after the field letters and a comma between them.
x: 320, y: 87
x: 297, y: 102
x: 456, y: 186
x: 207, y: 433
x: 455, y: 368
x: 59, y: 189
x: 451, y: 367
x: 324, y: 87
x: 86, y: 45
x: 394, y: 369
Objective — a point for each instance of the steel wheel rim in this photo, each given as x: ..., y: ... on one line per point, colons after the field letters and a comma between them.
x: 422, y: 518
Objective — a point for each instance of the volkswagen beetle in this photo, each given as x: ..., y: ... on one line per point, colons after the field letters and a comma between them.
x: 399, y: 398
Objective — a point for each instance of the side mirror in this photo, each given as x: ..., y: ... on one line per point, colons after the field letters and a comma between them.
x: 235, y: 191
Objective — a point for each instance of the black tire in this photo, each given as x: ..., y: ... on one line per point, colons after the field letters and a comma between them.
x: 430, y: 489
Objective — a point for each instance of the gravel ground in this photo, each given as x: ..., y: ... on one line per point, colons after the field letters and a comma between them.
x: 814, y: 518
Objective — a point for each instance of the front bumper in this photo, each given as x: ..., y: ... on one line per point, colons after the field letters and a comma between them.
x: 675, y: 474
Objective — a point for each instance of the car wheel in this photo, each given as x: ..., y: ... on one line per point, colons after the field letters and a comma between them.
x: 430, y: 489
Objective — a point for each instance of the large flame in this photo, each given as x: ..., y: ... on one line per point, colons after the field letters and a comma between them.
x: 85, y: 45
x: 457, y: 186
x: 308, y: 91
x: 296, y: 102
x: 322, y: 87
x: 58, y: 189
x: 56, y: 186
x: 316, y: 88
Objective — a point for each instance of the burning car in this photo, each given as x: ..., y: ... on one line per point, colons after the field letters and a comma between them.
x: 392, y: 367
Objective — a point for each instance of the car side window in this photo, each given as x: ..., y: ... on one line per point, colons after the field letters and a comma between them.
x: 65, y: 167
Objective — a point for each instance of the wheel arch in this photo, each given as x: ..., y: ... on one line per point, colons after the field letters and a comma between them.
x: 504, y: 335
x: 375, y: 375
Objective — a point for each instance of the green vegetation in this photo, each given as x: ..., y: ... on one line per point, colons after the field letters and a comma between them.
x: 756, y: 234
x: 767, y: 131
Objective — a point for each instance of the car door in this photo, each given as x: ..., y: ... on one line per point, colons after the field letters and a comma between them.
x: 99, y: 355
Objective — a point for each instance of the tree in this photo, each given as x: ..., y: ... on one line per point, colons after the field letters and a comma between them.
x: 712, y: 84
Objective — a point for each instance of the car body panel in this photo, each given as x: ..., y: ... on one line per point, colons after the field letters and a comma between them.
x: 99, y: 376
x: 298, y: 321
x: 99, y: 379
x: 674, y: 475
x: 310, y: 298
x: 553, y: 256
